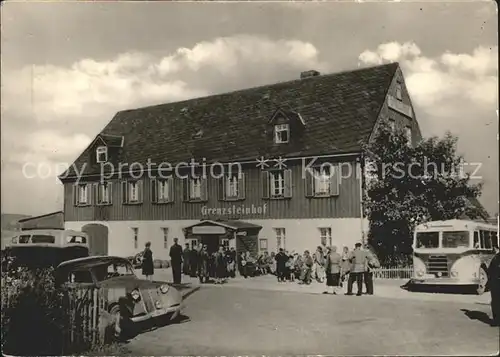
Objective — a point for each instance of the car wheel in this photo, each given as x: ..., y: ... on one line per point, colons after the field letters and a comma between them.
x: 483, y: 281
x: 115, y: 312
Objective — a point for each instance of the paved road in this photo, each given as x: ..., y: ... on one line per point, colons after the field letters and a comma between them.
x: 228, y: 321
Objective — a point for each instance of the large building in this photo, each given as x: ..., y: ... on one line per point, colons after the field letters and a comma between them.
x: 315, y: 124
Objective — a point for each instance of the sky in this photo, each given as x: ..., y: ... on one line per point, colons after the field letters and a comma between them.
x: 67, y: 68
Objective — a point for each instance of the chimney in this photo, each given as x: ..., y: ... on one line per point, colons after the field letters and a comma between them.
x: 309, y: 74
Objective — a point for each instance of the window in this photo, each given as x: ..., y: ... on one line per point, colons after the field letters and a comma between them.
x: 322, y: 181
x: 277, y: 183
x: 76, y: 239
x: 195, y: 188
x: 165, y: 238
x: 82, y: 195
x: 408, y: 134
x: 193, y: 242
x: 224, y: 242
x: 163, y: 191
x: 104, y: 193
x: 24, y: 239
x: 281, y: 133
x: 136, y: 237
x: 263, y: 245
x: 427, y: 240
x: 42, y: 238
x: 392, y: 125
x: 456, y: 239
x: 132, y: 192
x: 399, y: 91
x: 102, y: 154
x: 232, y: 186
x: 485, y: 239
x: 280, y: 237
x: 494, y: 239
x: 326, y: 236
x: 81, y: 276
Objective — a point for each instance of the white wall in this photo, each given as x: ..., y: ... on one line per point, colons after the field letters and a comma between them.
x: 301, y: 234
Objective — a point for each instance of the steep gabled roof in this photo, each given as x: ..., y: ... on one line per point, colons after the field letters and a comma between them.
x: 339, y: 110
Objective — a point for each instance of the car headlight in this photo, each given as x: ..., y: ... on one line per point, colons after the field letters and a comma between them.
x: 164, y: 289
x: 158, y: 305
x: 418, y: 267
x: 466, y: 267
x: 135, y: 295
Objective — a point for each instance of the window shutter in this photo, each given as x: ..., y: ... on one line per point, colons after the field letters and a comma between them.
x: 204, y: 188
x: 288, y: 183
x: 110, y: 192
x: 265, y: 184
x: 171, y: 189
x: 221, y: 188
x: 185, y: 189
x: 241, y: 186
x: 309, y: 183
x: 75, y: 194
x: 334, y: 180
x: 153, y: 190
x: 124, y: 192
x: 140, y: 191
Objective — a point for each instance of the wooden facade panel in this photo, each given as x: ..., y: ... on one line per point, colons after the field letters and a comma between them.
x: 345, y: 205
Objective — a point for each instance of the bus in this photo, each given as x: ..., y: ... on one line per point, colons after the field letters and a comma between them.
x: 46, y: 247
x: 453, y: 252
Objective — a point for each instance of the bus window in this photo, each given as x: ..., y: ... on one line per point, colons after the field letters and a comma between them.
x: 43, y: 238
x: 76, y: 239
x: 24, y: 239
x: 427, y: 240
x: 456, y: 239
x: 485, y: 239
x: 476, y: 240
x: 494, y: 239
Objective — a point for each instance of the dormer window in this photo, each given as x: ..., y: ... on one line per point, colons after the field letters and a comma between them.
x: 102, y: 154
x: 281, y: 133
x: 399, y: 91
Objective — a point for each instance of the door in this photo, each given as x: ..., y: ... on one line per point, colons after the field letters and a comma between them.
x: 98, y: 238
x: 211, y: 241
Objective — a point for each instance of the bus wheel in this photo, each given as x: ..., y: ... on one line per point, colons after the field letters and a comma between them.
x: 483, y: 281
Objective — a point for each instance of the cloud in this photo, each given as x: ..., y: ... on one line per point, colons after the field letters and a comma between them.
x: 455, y: 92
x: 51, y: 113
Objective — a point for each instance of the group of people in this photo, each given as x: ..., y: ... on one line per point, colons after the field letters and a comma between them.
x: 327, y: 264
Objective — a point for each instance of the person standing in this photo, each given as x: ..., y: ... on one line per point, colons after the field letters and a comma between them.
x: 345, y: 267
x: 372, y: 262
x: 147, y: 262
x: 307, y: 264
x: 231, y: 262
x: 494, y: 285
x: 193, y: 261
x: 281, y: 259
x: 186, y: 261
x: 203, y: 258
x: 220, y: 266
x: 333, y: 262
x: 358, y: 260
x: 176, y: 261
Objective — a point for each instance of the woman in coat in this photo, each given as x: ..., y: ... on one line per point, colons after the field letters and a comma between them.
x: 203, y: 259
x: 220, y: 266
x: 345, y: 266
x: 147, y: 262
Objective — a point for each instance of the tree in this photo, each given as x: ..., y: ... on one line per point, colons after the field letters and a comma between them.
x: 406, y: 186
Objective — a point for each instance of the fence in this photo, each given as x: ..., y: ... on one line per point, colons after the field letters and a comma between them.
x: 82, y: 316
x: 393, y: 273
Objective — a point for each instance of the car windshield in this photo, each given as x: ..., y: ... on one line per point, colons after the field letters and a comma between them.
x: 456, y: 239
x: 113, y: 270
x: 427, y: 240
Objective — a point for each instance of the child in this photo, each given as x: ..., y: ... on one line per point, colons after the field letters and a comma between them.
x: 290, y: 269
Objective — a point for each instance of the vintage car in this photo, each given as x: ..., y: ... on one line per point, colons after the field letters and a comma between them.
x: 144, y: 299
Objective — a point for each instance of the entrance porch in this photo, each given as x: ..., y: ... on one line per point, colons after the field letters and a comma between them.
x: 241, y: 235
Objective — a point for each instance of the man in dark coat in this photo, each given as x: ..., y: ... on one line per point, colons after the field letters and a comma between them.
x: 186, y: 261
x: 147, y: 262
x: 193, y: 261
x: 494, y: 285
x: 281, y: 259
x: 176, y: 260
